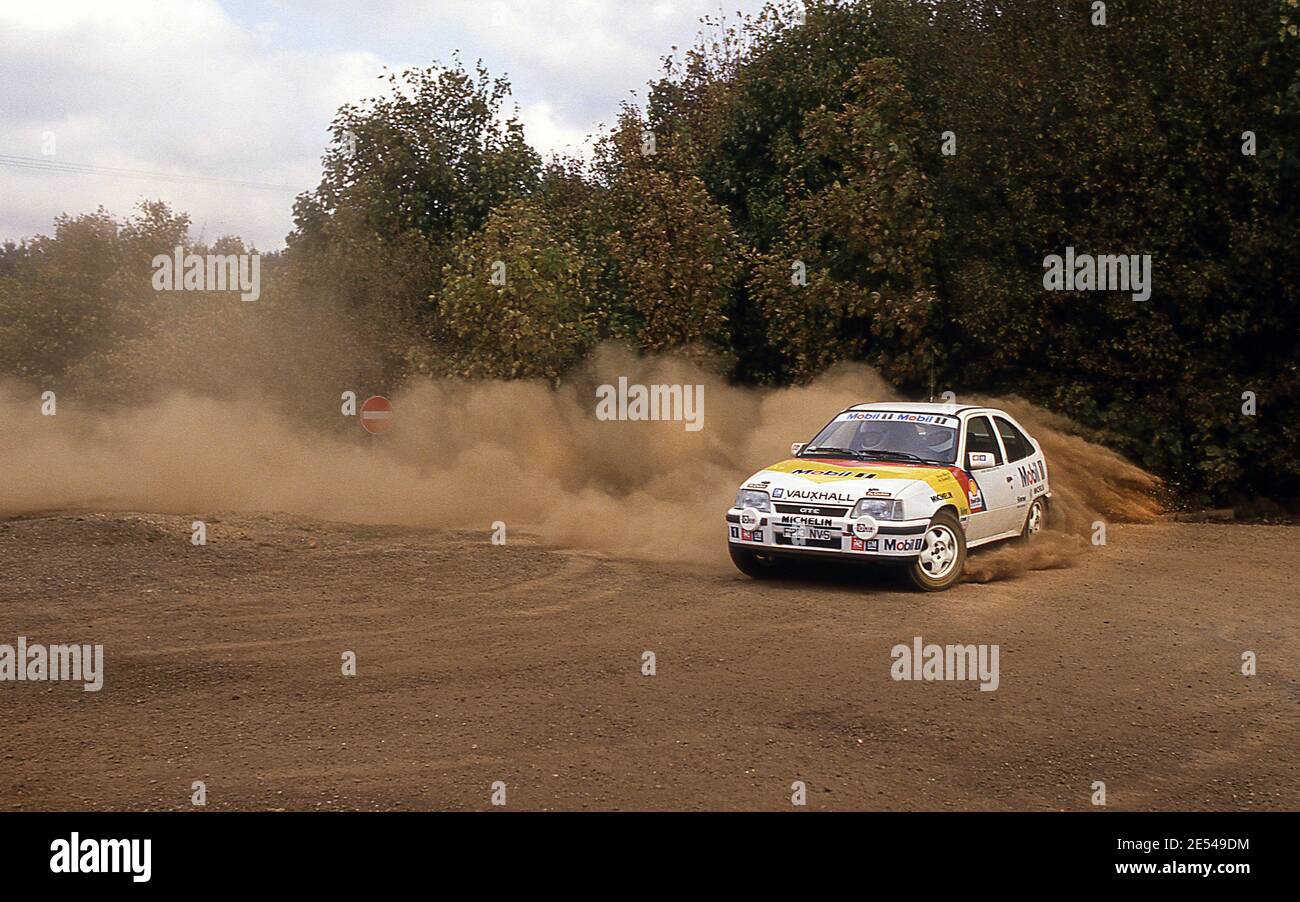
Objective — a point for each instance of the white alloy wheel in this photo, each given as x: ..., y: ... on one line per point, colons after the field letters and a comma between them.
x: 942, y: 559
x: 1035, y: 520
x: 939, y: 555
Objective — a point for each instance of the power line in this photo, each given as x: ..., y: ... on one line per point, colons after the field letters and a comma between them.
x: 37, y: 164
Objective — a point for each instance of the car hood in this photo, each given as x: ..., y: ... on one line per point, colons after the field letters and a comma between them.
x: 844, y: 481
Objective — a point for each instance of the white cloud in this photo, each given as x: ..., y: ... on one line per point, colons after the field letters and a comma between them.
x: 229, y: 90
x: 550, y: 134
x: 178, y: 88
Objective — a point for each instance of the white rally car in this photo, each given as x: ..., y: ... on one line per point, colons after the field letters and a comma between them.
x: 915, y: 484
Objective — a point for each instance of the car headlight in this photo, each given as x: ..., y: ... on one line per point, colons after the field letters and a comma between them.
x: 760, y: 501
x: 879, y: 509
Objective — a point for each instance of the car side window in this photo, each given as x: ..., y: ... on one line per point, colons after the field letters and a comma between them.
x: 979, y: 438
x: 1016, y: 444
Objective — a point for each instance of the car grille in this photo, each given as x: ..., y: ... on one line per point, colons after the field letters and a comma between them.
x: 817, y: 510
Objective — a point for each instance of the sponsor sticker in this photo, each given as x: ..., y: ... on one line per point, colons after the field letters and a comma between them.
x: 936, y: 419
x: 865, y: 528
x: 1032, y: 473
x: 813, y: 495
x: 939, y: 479
x: 836, y: 474
x: 795, y: 520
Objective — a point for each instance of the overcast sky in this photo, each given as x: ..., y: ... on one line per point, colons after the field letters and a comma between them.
x: 245, y: 90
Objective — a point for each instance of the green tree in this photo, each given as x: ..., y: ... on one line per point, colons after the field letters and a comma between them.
x: 671, y: 256
x: 407, y: 177
x: 82, y: 291
x: 516, y: 299
x: 850, y: 277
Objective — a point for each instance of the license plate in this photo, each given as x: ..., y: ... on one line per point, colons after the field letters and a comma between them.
x: 807, y: 537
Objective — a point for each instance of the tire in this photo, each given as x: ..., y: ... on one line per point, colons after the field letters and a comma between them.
x: 1035, y: 521
x: 943, y: 559
x: 753, y: 564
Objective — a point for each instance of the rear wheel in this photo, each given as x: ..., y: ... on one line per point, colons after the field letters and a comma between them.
x: 751, y: 563
x: 1035, y: 521
x: 943, y: 557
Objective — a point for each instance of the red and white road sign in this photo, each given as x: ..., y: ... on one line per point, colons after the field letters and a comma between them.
x: 377, y: 415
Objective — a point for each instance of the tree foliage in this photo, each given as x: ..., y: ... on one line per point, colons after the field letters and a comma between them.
x: 825, y: 181
x: 516, y: 299
x: 408, y: 175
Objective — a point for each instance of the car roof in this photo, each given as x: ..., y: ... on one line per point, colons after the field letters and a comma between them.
x: 917, y: 407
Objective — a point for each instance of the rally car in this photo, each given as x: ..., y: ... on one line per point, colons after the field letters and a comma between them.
x: 914, y: 484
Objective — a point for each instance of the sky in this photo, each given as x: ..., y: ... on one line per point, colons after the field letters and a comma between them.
x: 232, y: 99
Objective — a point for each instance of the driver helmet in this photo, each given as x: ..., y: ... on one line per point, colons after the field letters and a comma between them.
x: 872, y: 436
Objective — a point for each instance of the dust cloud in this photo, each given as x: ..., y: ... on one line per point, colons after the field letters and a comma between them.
x: 466, y: 454
x: 1090, y: 484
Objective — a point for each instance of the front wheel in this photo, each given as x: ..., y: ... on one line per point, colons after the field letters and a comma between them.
x: 943, y: 557
x: 759, y: 566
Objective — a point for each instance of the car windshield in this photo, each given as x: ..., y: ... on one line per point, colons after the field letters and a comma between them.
x: 896, y: 435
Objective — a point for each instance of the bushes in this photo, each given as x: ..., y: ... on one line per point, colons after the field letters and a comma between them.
x: 648, y: 260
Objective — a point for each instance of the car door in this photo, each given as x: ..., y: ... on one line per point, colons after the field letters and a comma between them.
x: 1028, y: 467
x: 996, y: 483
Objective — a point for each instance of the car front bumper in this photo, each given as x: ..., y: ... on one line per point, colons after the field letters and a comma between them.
x: 779, y: 533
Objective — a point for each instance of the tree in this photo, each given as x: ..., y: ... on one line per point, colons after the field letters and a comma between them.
x: 516, y: 299
x: 407, y: 177
x: 673, y: 258
x: 82, y: 291
x: 851, y: 276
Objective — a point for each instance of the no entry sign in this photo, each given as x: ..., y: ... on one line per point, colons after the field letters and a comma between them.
x: 377, y: 415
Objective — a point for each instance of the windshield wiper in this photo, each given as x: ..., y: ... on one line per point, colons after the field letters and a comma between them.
x: 838, y: 452
x: 861, y: 454
x: 903, y: 454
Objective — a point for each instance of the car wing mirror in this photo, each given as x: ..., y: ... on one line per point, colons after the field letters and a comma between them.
x: 980, y: 460
x: 796, y: 448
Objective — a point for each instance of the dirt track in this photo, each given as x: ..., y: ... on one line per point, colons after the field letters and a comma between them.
x: 520, y: 663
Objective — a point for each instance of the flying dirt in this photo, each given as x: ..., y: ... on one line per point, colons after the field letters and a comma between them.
x: 469, y: 454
